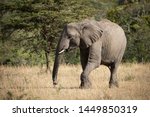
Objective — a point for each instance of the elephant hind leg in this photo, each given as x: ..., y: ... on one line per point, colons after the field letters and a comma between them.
x: 113, y: 76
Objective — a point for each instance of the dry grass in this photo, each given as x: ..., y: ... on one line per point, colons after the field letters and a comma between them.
x: 33, y: 83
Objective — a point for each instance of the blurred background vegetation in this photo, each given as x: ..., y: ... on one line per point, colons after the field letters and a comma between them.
x: 30, y: 29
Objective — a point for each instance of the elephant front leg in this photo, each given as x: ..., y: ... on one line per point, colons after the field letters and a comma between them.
x: 93, y: 61
x: 85, y: 82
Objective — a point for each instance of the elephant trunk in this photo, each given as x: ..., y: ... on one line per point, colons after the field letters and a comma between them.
x: 62, y: 46
x: 57, y: 62
x: 55, y: 68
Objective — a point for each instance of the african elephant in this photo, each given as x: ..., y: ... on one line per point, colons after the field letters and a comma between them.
x: 100, y: 42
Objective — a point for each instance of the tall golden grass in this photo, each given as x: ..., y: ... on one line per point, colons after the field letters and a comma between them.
x: 34, y: 83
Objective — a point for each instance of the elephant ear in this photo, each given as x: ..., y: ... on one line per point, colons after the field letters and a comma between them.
x: 90, y: 34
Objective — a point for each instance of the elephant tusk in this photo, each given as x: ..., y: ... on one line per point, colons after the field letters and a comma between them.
x: 61, y: 51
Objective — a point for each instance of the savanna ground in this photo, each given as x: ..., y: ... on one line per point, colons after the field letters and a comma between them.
x: 26, y: 82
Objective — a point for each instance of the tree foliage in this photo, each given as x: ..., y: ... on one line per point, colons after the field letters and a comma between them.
x: 34, y: 26
x: 30, y: 29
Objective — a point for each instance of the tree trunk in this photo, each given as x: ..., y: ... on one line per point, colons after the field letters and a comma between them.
x: 47, y: 61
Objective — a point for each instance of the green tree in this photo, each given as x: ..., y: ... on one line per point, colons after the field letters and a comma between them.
x: 30, y: 29
x: 35, y: 25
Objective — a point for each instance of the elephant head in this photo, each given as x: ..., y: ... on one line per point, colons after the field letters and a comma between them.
x: 74, y: 35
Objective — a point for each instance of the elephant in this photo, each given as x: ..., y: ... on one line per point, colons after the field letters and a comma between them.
x: 100, y: 42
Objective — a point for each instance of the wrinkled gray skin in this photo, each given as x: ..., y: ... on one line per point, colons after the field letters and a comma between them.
x: 100, y: 42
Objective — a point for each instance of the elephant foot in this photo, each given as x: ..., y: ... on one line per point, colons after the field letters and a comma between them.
x: 113, y: 84
x: 55, y: 83
x: 85, y: 85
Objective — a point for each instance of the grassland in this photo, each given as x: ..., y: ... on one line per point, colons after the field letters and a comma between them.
x: 26, y: 82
